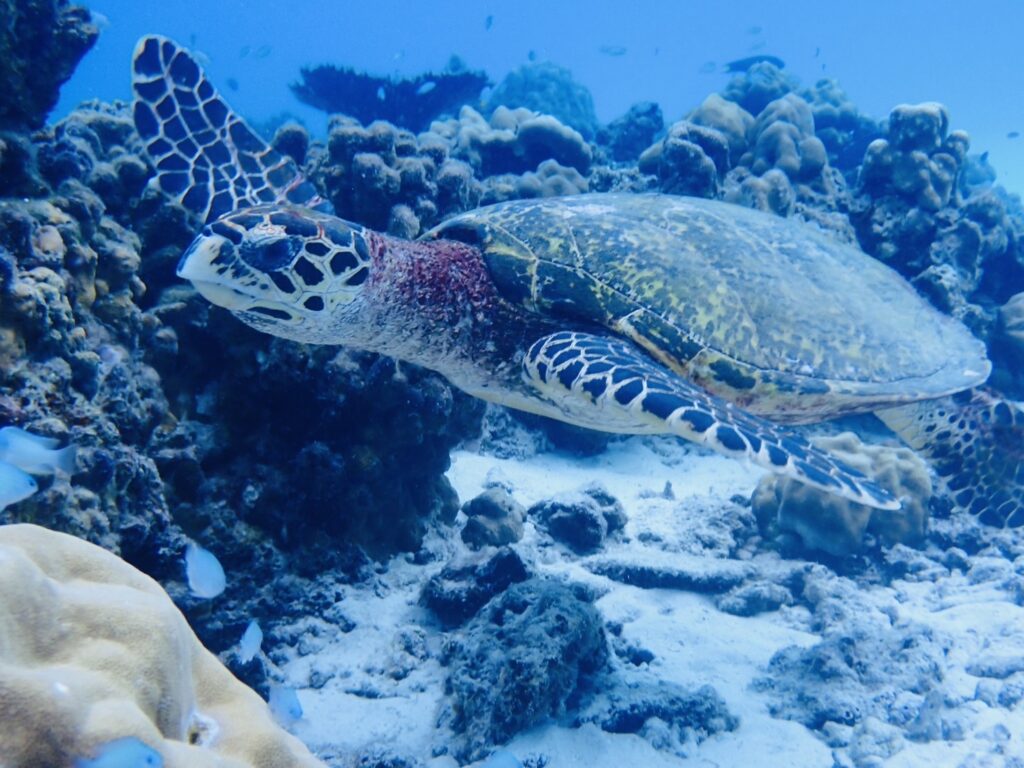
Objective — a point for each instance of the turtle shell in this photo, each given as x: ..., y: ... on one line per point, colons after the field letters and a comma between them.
x: 766, y: 311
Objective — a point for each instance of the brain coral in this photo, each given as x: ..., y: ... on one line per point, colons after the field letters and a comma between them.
x: 92, y: 650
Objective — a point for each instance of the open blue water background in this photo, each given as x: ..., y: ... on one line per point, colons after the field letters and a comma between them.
x: 966, y: 55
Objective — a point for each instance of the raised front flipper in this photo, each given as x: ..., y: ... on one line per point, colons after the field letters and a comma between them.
x: 206, y: 157
x: 975, y: 442
x: 611, y: 381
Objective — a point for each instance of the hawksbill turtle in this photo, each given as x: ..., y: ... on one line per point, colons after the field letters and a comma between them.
x: 617, y: 312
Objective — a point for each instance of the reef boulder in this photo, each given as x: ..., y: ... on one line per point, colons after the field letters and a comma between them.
x: 41, y: 43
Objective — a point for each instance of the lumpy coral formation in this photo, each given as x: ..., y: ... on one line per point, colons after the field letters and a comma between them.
x: 92, y: 650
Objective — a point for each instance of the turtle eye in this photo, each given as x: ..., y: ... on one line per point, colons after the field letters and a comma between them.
x: 269, y: 255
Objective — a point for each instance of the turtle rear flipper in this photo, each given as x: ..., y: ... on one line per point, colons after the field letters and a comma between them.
x: 607, y: 384
x: 205, y: 155
x: 975, y: 442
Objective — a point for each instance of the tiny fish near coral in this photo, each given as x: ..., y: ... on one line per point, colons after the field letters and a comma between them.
x: 15, y: 485
x: 204, y: 572
x: 284, y: 704
x: 252, y: 640
x: 128, y: 752
x: 34, y: 453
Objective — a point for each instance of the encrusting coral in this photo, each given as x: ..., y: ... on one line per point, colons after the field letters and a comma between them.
x: 92, y: 650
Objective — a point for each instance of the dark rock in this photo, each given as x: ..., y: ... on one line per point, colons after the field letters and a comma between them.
x: 690, y: 574
x: 520, y: 661
x: 461, y: 589
x: 580, y: 520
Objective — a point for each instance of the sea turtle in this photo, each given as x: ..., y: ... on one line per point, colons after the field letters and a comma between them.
x: 618, y: 312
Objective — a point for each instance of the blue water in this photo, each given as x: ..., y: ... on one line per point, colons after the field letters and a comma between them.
x: 965, y: 55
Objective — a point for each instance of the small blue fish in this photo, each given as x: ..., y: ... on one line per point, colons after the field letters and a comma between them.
x: 380, y: 93
x: 501, y: 758
x: 284, y: 704
x: 128, y: 752
x: 15, y: 485
x: 426, y: 88
x: 34, y: 453
x: 251, y: 642
x: 205, y: 573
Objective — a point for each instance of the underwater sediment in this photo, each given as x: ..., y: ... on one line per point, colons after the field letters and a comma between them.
x: 319, y: 474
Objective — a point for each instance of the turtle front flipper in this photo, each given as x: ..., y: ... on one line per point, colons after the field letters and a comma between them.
x: 975, y: 442
x: 206, y: 157
x: 606, y: 383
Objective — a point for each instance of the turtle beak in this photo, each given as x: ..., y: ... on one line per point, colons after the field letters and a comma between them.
x: 204, y: 263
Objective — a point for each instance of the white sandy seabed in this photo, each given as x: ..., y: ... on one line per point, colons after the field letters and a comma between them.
x: 364, y: 709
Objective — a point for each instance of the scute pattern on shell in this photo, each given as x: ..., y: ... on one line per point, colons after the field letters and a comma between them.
x: 766, y: 311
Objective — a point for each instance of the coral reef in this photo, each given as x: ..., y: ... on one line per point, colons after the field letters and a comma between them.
x: 909, y: 212
x: 82, y: 632
x: 512, y: 141
x: 758, y: 86
x: 549, y: 180
x: 628, y: 136
x: 837, y: 526
x: 729, y: 119
x: 844, y: 131
x: 783, y: 137
x: 549, y: 89
x: 41, y: 43
x: 410, y: 103
x: 689, y: 160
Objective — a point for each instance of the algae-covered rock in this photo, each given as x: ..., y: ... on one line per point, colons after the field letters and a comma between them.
x: 837, y: 526
x: 520, y: 661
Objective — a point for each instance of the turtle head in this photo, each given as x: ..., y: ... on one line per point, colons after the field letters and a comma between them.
x: 283, y: 270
